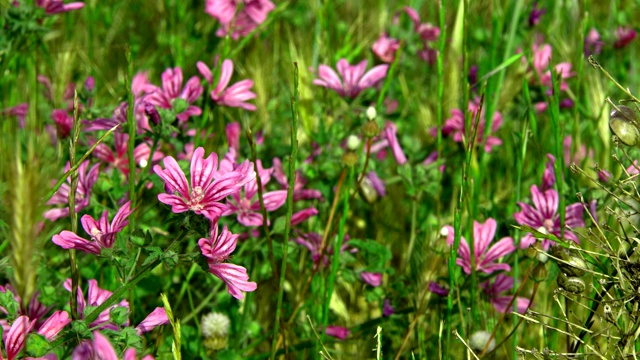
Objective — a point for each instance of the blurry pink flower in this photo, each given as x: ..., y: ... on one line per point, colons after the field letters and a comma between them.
x: 313, y: 242
x: 485, y: 258
x: 100, y: 348
x: 247, y: 205
x: 385, y: 48
x: 578, y: 156
x: 541, y: 58
x: 208, y: 187
x: 352, y: 79
x: 232, y: 130
x: 373, y: 279
x: 222, y: 10
x: 103, y: 234
x: 536, y: 14
x: 120, y: 158
x: 16, y: 338
x: 633, y: 168
x: 338, y: 332
x: 235, y: 95
x: 432, y: 158
x: 604, y: 175
x: 83, y: 192
x: 502, y: 284
x: 387, y: 308
x: 389, y: 139
x: 545, y: 218
x: 157, y: 317
x: 97, y: 296
x: 302, y: 215
x: 19, y: 111
x: 243, y: 23
x: 63, y: 121
x: 455, y: 126
x: 592, y: 43
x: 172, y: 89
x: 438, y: 289
x: 54, y: 324
x: 624, y: 36
x: 376, y: 183
x: 58, y: 6
x: 217, y: 249
x: 299, y: 192
x: 426, y: 31
x: 549, y: 174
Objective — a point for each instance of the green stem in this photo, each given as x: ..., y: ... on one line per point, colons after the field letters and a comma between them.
x: 75, y: 276
x: 131, y: 121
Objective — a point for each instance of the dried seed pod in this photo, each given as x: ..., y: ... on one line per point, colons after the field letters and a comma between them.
x: 623, y: 124
x: 571, y: 284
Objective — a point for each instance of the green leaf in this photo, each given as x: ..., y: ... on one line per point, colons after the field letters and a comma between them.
x: 37, y: 345
x: 376, y: 254
x: 119, y: 315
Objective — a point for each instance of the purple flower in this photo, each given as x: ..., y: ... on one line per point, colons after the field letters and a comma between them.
x: 172, y: 89
x: 299, y: 192
x: 385, y: 48
x: 388, y: 138
x: 352, y: 79
x: 19, y: 111
x: 313, y: 242
x: 549, y: 174
x: 58, y: 6
x: 217, y: 249
x: 338, y: 332
x: 592, y: 43
x: 83, y: 192
x: 426, y: 31
x: 624, y: 36
x: 103, y: 234
x: 376, y: 183
x: 545, y: 218
x: 373, y: 279
x: 503, y: 283
x: 63, y: 121
x: 51, y: 327
x: 235, y: 95
x: 387, y: 308
x: 438, y: 289
x: 536, y: 14
x: 243, y: 23
x: 578, y: 156
x: 208, y: 187
x: 101, y: 348
x: 97, y: 296
x: 156, y: 318
x: 485, y: 258
x: 120, y: 157
x: 16, y: 338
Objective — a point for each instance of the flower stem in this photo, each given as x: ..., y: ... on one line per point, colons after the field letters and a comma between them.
x: 131, y: 122
x: 73, y: 216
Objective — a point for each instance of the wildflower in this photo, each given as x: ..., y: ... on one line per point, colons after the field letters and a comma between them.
x: 51, y: 327
x: 172, y: 90
x: 313, y: 242
x: 387, y: 308
x: 536, y: 14
x: 101, y: 348
x: 338, y: 332
x: 235, y: 95
x: 352, y: 79
x: 624, y: 36
x: 549, y: 174
x: 120, y: 157
x: 426, y: 31
x: 247, y: 205
x: 102, y: 234
x: 455, y: 126
x: 485, y: 257
x: 156, y: 318
x: 217, y: 249
x: 97, y: 296
x: 16, y: 338
x: 302, y: 215
x: 503, y: 284
x: 634, y: 168
x: 299, y: 192
x: 372, y: 180
x: 205, y: 194
x: 431, y: 159
x: 58, y: 6
x: 19, y: 111
x: 373, y: 279
x: 243, y: 23
x: 385, y: 48
x: 604, y: 175
x: 578, y: 156
x: 389, y: 139
x: 592, y: 43
x: 215, y: 330
x: 479, y: 339
x: 438, y: 289
x: 541, y: 58
x: 545, y: 218
x: 36, y: 309
x: 63, y: 121
x: 232, y: 131
x: 83, y: 192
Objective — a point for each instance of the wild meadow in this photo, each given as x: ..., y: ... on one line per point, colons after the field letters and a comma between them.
x: 336, y: 179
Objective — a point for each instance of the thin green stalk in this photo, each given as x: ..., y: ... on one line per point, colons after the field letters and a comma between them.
x: 131, y: 121
x: 73, y: 216
x: 440, y: 69
x: 289, y: 204
x: 554, y: 110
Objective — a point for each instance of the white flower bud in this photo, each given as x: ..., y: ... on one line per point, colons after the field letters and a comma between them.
x: 353, y: 143
x: 479, y: 340
x: 215, y: 325
x: 371, y: 113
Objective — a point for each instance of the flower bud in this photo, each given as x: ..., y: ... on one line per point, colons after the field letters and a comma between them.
x: 353, y: 143
x: 479, y: 339
x: 152, y: 113
x: 371, y: 113
x: 350, y: 158
x: 539, y: 273
x: 370, y: 129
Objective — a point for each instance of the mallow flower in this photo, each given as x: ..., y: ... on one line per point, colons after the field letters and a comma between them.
x: 86, y: 180
x: 352, y: 80
x: 172, y: 90
x: 499, y: 294
x: 235, y: 95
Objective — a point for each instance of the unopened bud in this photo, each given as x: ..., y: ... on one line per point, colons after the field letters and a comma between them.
x: 89, y: 84
x: 539, y: 273
x: 371, y: 113
x: 152, y: 113
x: 350, y: 158
x: 353, y: 143
x: 479, y: 339
x: 370, y: 129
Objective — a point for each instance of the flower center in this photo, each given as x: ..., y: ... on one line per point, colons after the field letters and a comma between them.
x: 548, y: 224
x: 197, y: 194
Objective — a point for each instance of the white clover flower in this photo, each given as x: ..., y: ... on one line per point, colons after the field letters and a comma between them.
x: 215, y: 324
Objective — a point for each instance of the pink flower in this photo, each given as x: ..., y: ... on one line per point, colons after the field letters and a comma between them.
x: 299, y: 192
x: 222, y: 10
x: 549, y: 174
x: 313, y: 242
x: 388, y: 138
x: 235, y: 95
x: 208, y: 186
x: 232, y: 130
x: 455, y: 126
x: 376, y: 183
x: 578, y: 156
x: 83, y: 192
x: 373, y: 279
x: 541, y: 58
x: 100, y: 348
x: 19, y: 111
x: 247, y: 204
x: 633, y: 168
x: 624, y: 36
x: 592, y: 43
x: 217, y: 249
x: 97, y: 296
x: 536, y: 14
x: 604, y: 175
x: 352, y: 79
x: 54, y: 324
x: 485, y: 257
x: 103, y: 234
x: 302, y: 215
x: 385, y: 48
x: 338, y: 332
x: 58, y: 6
x: 545, y: 218
x: 438, y: 289
x: 243, y: 23
x: 120, y: 158
x: 502, y: 284
x: 157, y: 317
x: 16, y: 338
x: 172, y: 89
x: 426, y: 31
x: 63, y: 121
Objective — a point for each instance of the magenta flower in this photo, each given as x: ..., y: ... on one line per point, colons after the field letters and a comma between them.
x: 592, y: 43
x: 373, y: 279
x: 232, y: 130
x: 376, y: 183
x: 302, y: 215
x: 299, y: 192
x: 624, y: 36
x: 633, y: 168
x: 578, y: 156
x: 97, y: 296
x: 51, y: 327
x: 313, y: 242
x: 385, y: 48
x: 63, y: 121
x: 83, y: 192
x: 58, y: 6
x: 536, y: 14
x: 352, y: 79
x: 103, y: 234
x: 388, y: 138
x: 455, y: 126
x: 16, y: 338
x: 438, y: 289
x: 337, y: 332
x: 235, y: 95
x: 549, y: 174
x: 157, y: 317
x: 100, y: 348
x: 426, y: 31
x: 243, y: 23
x: 36, y: 309
x: 172, y: 89
x: 208, y: 186
x: 217, y: 249
x: 19, y: 111
x: 247, y: 205
x: 501, y: 284
x: 541, y: 58
x: 120, y: 157
x: 545, y: 218
x: 387, y: 308
x: 485, y: 258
